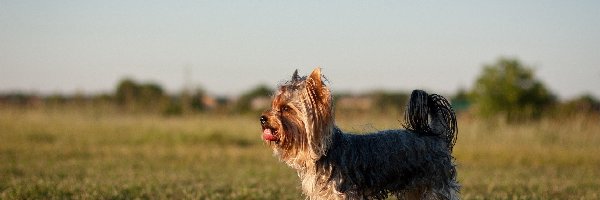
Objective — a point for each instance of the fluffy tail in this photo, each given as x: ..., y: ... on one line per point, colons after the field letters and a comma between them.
x: 431, y: 115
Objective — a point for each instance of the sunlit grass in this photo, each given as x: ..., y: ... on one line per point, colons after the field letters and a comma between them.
x: 66, y: 154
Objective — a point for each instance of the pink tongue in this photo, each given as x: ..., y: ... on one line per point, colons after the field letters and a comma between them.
x: 267, y: 135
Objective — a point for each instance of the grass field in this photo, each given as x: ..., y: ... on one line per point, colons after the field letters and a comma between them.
x: 70, y: 155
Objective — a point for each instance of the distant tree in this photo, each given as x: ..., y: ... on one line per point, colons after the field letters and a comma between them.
x: 126, y: 93
x: 17, y: 98
x: 173, y: 108
x: 79, y: 99
x: 149, y: 93
x: 104, y: 101
x: 56, y: 99
x: 389, y: 101
x: 140, y: 97
x: 509, y: 88
x: 197, y: 102
x: 461, y: 101
x: 585, y: 104
x: 244, y: 102
x: 187, y: 102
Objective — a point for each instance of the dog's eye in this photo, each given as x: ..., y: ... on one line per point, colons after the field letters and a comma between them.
x: 285, y: 108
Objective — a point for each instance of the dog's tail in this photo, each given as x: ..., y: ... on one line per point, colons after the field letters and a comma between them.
x: 431, y: 115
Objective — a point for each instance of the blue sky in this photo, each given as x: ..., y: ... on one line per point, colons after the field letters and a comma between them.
x: 230, y: 46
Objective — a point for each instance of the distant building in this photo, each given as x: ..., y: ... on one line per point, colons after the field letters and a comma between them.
x: 260, y: 103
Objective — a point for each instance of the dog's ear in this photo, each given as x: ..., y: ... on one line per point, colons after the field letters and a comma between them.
x: 322, y: 115
x: 315, y: 76
x: 315, y: 84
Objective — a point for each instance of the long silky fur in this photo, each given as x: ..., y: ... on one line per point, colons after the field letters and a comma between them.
x: 412, y: 163
x: 389, y: 162
x: 422, y: 107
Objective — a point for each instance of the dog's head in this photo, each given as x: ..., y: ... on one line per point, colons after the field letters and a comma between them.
x: 299, y: 124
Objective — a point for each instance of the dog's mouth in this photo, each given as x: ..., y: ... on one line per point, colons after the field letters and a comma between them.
x: 269, y: 134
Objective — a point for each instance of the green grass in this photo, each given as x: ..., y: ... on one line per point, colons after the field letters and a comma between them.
x: 70, y: 155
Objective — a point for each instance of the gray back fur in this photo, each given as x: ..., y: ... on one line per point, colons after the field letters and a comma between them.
x: 396, y: 161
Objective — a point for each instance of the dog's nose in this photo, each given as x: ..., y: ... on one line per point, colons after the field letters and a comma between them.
x: 263, y: 120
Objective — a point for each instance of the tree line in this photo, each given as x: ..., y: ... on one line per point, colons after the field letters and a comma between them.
x: 505, y: 88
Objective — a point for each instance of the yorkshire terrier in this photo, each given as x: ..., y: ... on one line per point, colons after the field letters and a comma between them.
x: 413, y: 163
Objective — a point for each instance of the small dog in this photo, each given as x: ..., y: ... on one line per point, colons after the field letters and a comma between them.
x: 415, y: 163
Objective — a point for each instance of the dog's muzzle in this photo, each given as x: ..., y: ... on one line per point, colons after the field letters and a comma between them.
x: 268, y: 133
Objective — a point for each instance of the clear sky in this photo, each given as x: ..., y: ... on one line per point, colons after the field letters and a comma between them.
x: 230, y: 46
